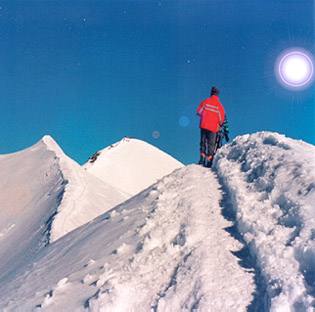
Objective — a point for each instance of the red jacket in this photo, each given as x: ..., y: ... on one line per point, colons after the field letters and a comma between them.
x: 211, y: 114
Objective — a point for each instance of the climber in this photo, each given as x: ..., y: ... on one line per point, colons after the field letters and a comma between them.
x: 213, y: 126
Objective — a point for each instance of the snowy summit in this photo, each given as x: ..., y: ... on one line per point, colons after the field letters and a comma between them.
x: 159, y: 236
x: 131, y: 165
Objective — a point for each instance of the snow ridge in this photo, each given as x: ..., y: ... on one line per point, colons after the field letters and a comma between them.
x: 84, y: 196
x: 31, y: 186
x: 180, y: 243
x: 74, y: 188
x: 271, y: 180
x: 168, y: 244
x: 52, y: 145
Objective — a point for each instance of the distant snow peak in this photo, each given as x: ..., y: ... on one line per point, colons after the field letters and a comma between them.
x: 52, y: 145
x: 42, y: 180
x: 127, y: 139
x: 131, y: 165
x: 95, y: 156
x: 124, y: 140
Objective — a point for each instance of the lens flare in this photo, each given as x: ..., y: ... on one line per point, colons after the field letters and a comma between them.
x: 294, y: 69
x: 184, y: 121
x: 156, y: 134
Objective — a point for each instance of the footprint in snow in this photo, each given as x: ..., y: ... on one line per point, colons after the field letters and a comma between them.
x: 62, y: 283
x: 123, y: 248
x: 90, y: 262
x: 49, y: 297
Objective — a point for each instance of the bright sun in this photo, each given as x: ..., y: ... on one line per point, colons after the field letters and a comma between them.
x: 294, y: 69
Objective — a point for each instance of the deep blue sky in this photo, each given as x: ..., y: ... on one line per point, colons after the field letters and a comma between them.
x: 91, y: 72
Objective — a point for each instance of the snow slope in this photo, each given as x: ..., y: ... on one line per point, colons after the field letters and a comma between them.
x: 31, y: 187
x: 170, y: 247
x: 131, y: 165
x: 44, y: 195
x: 166, y: 249
x: 271, y: 182
x: 85, y: 196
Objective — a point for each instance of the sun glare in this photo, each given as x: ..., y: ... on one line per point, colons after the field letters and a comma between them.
x: 294, y: 69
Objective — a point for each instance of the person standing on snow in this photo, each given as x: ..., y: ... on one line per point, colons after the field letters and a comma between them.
x: 212, y: 119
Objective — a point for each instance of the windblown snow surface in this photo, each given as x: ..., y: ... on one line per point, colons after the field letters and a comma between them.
x: 270, y: 182
x: 165, y: 249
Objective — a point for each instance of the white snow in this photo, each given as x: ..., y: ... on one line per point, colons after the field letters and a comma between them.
x: 165, y: 249
x: 73, y: 239
x: 31, y: 186
x: 44, y: 195
x: 271, y: 180
x: 131, y: 165
x: 84, y: 197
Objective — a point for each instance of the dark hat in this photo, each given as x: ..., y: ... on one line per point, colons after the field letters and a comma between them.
x: 214, y: 91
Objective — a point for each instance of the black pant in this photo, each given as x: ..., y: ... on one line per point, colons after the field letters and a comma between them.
x: 207, y: 143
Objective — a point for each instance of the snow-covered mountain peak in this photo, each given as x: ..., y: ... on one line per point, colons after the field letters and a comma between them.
x: 48, y: 139
x: 170, y: 243
x: 131, y: 165
x: 42, y: 184
x: 52, y: 145
x: 126, y: 144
